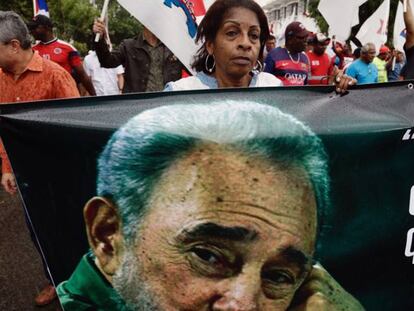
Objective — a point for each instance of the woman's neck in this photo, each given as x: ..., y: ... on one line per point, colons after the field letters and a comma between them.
x: 227, y: 81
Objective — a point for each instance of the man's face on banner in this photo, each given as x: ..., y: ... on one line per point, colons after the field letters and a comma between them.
x: 223, y: 231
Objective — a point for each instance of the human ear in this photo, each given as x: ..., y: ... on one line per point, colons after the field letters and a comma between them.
x: 15, y: 44
x: 210, y: 47
x: 103, y: 227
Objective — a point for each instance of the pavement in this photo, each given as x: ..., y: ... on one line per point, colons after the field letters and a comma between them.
x: 21, y: 274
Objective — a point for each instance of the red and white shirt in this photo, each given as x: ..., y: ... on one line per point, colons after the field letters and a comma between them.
x: 59, y: 52
x: 321, y: 66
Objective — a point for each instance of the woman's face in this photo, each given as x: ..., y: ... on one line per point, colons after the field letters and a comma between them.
x: 237, y: 43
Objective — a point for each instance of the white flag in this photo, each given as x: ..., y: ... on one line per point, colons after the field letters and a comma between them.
x: 172, y: 21
x: 341, y: 16
x: 375, y: 27
x: 280, y: 30
x: 399, y: 27
x: 309, y: 23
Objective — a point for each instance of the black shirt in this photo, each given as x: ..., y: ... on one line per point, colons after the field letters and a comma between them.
x: 408, y: 71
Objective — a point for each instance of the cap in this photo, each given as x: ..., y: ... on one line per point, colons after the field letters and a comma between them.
x: 384, y: 49
x: 39, y: 20
x: 318, y: 38
x: 296, y: 29
x: 321, y: 38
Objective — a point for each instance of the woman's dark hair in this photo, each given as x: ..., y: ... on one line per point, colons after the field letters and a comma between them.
x: 209, y: 26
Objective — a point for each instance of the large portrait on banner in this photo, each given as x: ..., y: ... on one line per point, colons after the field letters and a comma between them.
x: 265, y: 199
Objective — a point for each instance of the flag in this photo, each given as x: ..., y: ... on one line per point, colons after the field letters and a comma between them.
x: 375, y: 27
x: 40, y: 8
x: 399, y: 27
x: 174, y: 22
x: 309, y: 23
x: 280, y: 29
x: 341, y: 16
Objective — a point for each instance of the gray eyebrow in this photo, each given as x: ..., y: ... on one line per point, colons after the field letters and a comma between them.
x: 213, y: 230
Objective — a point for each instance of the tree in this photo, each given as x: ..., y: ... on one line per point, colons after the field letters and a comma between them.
x: 73, y: 20
x: 22, y: 7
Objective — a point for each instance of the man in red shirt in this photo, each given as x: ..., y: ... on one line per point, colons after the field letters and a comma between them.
x: 322, y: 66
x: 25, y: 76
x: 61, y: 52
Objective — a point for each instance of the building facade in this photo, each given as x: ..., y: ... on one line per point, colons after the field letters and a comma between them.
x: 278, y: 11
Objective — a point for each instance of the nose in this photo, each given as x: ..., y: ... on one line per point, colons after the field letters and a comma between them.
x: 244, y: 41
x: 241, y: 293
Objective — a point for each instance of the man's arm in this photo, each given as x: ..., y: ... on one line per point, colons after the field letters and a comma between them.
x: 320, y: 292
x: 409, y: 25
x: 106, y: 58
x: 85, y: 79
x: 63, y: 85
x: 388, y: 65
x: 120, y: 81
x: 269, y: 64
x: 120, y: 78
x: 7, y: 178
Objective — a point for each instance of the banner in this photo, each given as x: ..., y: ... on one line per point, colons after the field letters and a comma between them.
x: 400, y: 33
x: 367, y: 241
x: 40, y: 7
x: 375, y: 28
x: 174, y: 22
x: 341, y: 16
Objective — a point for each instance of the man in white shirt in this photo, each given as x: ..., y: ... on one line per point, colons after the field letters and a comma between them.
x: 107, y: 81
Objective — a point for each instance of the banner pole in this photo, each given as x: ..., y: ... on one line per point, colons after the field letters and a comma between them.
x: 103, y: 13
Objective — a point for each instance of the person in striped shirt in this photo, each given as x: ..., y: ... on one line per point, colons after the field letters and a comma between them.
x: 290, y: 64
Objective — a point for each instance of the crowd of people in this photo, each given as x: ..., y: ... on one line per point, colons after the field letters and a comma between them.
x: 237, y: 50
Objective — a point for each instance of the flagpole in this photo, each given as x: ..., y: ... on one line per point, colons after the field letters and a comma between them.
x: 34, y: 7
x: 103, y: 13
x: 405, y: 6
x: 394, y: 61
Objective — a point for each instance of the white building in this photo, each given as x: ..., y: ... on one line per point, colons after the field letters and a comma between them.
x: 282, y: 12
x: 278, y: 11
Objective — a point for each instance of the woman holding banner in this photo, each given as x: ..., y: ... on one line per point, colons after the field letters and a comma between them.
x: 233, y: 33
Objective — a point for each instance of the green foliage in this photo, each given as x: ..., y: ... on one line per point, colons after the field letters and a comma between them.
x: 320, y: 21
x: 73, y: 20
x: 21, y: 7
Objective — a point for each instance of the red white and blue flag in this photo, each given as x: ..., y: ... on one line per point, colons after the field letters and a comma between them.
x: 40, y: 7
x: 174, y: 22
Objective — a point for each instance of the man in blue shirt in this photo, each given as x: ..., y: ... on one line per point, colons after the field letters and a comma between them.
x: 394, y: 73
x: 363, y: 70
